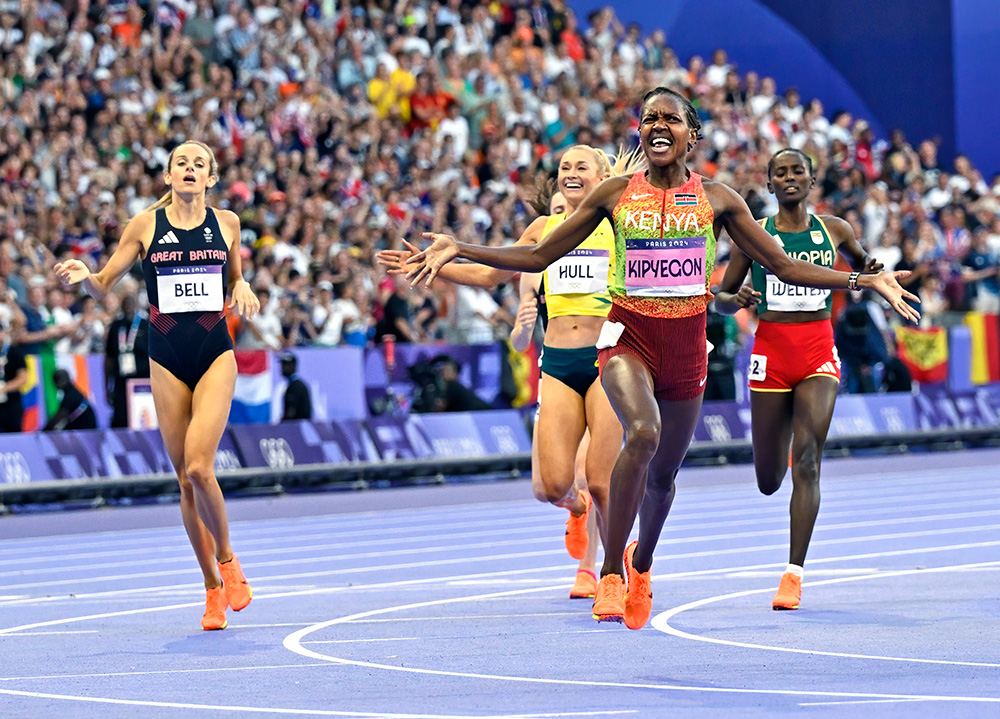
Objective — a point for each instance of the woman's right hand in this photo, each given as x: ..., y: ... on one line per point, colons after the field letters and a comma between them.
x: 747, y: 297
x: 427, y: 264
x: 395, y: 259
x: 527, y: 313
x: 72, y: 271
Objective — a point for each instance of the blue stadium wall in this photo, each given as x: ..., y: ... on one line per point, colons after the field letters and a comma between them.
x: 926, y: 66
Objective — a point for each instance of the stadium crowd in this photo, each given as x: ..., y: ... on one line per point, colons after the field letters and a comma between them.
x: 340, y: 129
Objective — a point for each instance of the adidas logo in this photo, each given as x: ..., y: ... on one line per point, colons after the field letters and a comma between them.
x: 828, y: 368
x: 168, y: 239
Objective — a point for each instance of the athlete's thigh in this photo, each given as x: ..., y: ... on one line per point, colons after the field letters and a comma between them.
x: 561, y: 423
x: 678, y: 422
x: 605, y: 436
x: 210, y: 405
x: 628, y: 385
x: 172, y: 400
x: 771, y: 431
x: 814, y: 399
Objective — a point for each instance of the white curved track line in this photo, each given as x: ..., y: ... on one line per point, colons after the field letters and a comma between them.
x: 293, y: 642
x: 306, y: 712
x: 661, y: 621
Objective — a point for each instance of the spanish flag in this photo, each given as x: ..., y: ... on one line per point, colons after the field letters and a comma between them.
x: 525, y: 368
x: 924, y: 352
x: 985, y: 331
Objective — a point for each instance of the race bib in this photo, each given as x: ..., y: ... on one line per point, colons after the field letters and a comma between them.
x: 671, y: 267
x: 758, y: 368
x: 581, y: 271
x: 783, y: 297
x: 190, y: 289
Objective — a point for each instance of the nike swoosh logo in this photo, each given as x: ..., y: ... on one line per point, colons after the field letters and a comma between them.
x: 639, y: 197
x: 702, y: 383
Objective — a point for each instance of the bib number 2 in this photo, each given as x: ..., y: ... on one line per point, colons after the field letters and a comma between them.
x: 758, y: 368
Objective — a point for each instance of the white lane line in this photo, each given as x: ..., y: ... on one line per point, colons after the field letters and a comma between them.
x: 863, y: 701
x: 544, y: 532
x: 661, y: 622
x: 39, y: 634
x: 294, y: 643
x: 308, y: 712
x: 367, y: 640
x: 513, y: 511
x: 154, y: 672
x: 249, y: 564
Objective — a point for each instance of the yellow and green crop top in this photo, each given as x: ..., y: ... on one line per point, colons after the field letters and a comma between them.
x: 577, y: 283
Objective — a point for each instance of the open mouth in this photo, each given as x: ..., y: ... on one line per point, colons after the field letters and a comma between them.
x: 189, y: 179
x: 661, y: 143
x: 572, y: 185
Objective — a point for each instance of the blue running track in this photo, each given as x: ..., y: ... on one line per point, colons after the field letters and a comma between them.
x: 447, y: 602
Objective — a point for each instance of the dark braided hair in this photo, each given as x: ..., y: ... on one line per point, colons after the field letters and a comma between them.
x: 690, y: 114
x: 779, y: 153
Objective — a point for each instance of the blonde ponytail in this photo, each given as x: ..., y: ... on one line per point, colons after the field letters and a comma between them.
x: 162, y: 202
x: 628, y: 163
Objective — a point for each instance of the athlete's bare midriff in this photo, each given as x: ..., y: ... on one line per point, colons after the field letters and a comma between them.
x: 573, y: 331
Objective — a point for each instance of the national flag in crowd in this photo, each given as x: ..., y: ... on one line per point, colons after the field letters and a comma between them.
x: 254, y: 388
x: 985, y: 332
x: 924, y: 352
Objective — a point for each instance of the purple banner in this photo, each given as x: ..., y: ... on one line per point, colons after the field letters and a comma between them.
x: 279, y: 446
x: 21, y: 461
x: 349, y: 439
x: 400, y: 437
x: 335, y: 379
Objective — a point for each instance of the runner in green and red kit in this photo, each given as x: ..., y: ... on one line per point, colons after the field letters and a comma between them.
x: 794, y: 369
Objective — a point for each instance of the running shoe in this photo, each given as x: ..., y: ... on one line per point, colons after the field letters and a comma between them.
x: 609, y: 600
x: 215, y: 609
x: 639, y: 596
x: 789, y: 592
x: 576, y: 529
x: 585, y: 585
x: 238, y: 591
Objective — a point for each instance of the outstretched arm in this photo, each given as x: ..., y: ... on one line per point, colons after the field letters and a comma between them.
x: 596, y: 207
x: 732, y: 213
x: 125, y: 255
x: 849, y: 247
x: 470, y: 274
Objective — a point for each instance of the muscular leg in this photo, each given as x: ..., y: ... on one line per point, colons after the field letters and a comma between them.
x: 172, y: 400
x: 771, y: 429
x: 629, y: 387
x: 678, y: 425
x: 561, y: 424
x: 605, y: 444
x: 814, y: 399
x: 210, y: 406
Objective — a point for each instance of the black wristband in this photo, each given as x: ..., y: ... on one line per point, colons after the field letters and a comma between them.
x: 852, y: 281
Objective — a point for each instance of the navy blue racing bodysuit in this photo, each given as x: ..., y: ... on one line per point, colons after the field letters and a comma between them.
x: 186, y: 273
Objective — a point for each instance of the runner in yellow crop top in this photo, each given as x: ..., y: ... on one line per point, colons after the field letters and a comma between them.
x: 662, y: 269
x: 571, y: 399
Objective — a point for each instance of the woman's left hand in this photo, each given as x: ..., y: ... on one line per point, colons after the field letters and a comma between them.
x: 244, y: 300
x: 886, y: 285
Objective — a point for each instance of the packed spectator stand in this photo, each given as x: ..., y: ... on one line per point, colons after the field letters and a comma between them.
x: 341, y: 129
